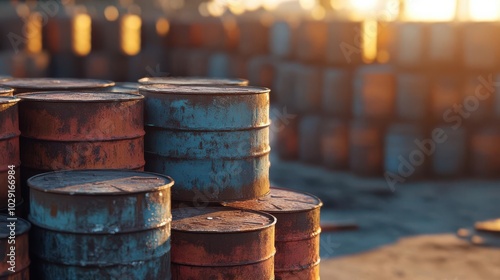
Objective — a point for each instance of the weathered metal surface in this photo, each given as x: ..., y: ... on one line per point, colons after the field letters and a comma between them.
x: 310, y: 139
x: 100, y: 201
x: 21, y: 85
x: 450, y: 157
x: 6, y: 91
x: 335, y: 143
x: 126, y: 87
x: 485, y: 151
x: 366, y: 148
x: 9, y: 146
x: 412, y: 97
x: 222, y: 243
x: 213, y: 140
x: 297, y: 230
x: 402, y: 155
x: 192, y: 81
x: 337, y: 92
x: 374, y: 92
x: 21, y: 259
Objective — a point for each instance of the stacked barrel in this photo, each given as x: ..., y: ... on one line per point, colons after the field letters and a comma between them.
x: 213, y: 139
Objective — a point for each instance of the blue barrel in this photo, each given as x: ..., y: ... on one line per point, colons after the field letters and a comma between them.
x: 100, y: 224
x: 450, y: 157
x: 214, y: 140
x: 402, y: 155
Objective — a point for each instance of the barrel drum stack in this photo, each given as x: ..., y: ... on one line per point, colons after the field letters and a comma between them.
x: 15, y: 263
x: 100, y: 224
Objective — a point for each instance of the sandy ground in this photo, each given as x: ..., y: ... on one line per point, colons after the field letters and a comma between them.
x: 405, y: 234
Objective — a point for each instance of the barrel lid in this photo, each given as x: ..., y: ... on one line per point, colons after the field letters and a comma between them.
x: 203, y: 90
x: 127, y: 85
x: 69, y: 96
x: 99, y: 182
x: 192, y: 81
x: 5, y: 89
x: 56, y: 83
x: 8, y: 99
x: 491, y: 226
x: 219, y: 220
x: 21, y: 225
x: 281, y: 200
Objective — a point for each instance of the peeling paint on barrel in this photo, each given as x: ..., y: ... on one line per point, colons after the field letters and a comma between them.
x: 222, y: 243
x: 22, y: 260
x: 213, y: 140
x: 297, y: 231
x: 101, y: 224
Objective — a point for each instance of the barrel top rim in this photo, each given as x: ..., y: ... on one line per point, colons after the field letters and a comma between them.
x: 41, y: 84
x: 22, y: 226
x: 231, y: 226
x: 193, y: 81
x: 204, y: 90
x: 90, y: 182
x: 281, y: 201
x: 9, y: 99
x: 127, y: 85
x: 85, y: 96
x: 5, y: 89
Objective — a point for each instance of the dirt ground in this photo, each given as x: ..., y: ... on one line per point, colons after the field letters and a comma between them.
x: 405, y: 234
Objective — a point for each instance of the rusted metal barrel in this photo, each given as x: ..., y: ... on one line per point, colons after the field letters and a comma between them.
x: 485, y: 151
x: 374, y: 92
x: 287, y: 139
x: 344, y: 44
x: 479, y: 46
x: 14, y: 248
x: 310, y: 139
x: 450, y: 156
x: 410, y: 44
x: 402, y: 156
x: 100, y: 224
x: 214, y: 140
x: 6, y: 91
x: 222, y: 243
x: 21, y: 85
x: 337, y: 92
x: 192, y: 81
x: 9, y: 150
x: 366, y: 148
x: 445, y: 93
x: 335, y: 143
x: 444, y: 43
x: 412, y: 99
x: 478, y: 97
x: 253, y: 36
x: 285, y: 84
x: 311, y: 41
x: 308, y: 89
x: 297, y: 231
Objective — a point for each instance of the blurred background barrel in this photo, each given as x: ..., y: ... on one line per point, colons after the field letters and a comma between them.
x: 287, y: 138
x: 366, y: 148
x: 308, y: 89
x: 485, y: 151
x: 19, y: 257
x: 336, y: 92
x: 213, y: 139
x: 21, y: 85
x: 310, y: 139
x: 412, y: 96
x: 402, y: 155
x: 215, y: 242
x: 335, y: 143
x: 193, y: 81
x: 100, y: 224
x: 297, y: 231
x: 450, y: 157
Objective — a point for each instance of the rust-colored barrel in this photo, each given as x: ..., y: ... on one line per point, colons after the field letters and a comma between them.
x: 374, y: 92
x: 311, y: 41
x: 192, y: 81
x: 308, y: 89
x: 287, y: 138
x: 366, y: 148
x: 100, y: 224
x: 337, y: 92
x: 285, y: 83
x: 445, y: 93
x: 21, y: 85
x: 310, y: 139
x: 253, y: 36
x: 297, y: 231
x: 14, y: 248
x: 478, y: 98
x: 344, y: 44
x: 485, y: 151
x: 335, y: 143
x: 412, y: 99
x: 6, y: 91
x: 450, y: 156
x: 214, y: 140
x: 9, y: 151
x: 479, y: 46
x: 410, y: 44
x: 222, y: 243
x: 402, y: 155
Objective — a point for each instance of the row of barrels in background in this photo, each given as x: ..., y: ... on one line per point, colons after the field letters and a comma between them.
x: 210, y: 148
x: 409, y: 150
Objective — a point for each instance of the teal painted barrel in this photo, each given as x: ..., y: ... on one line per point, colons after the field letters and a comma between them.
x: 214, y: 140
x: 100, y: 224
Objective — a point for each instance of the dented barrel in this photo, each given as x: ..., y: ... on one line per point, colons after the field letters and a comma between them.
x: 191, y: 81
x: 21, y: 85
x: 15, y: 256
x: 297, y: 231
x: 9, y: 151
x: 213, y: 140
x: 100, y: 224
x: 222, y: 243
x: 6, y: 91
